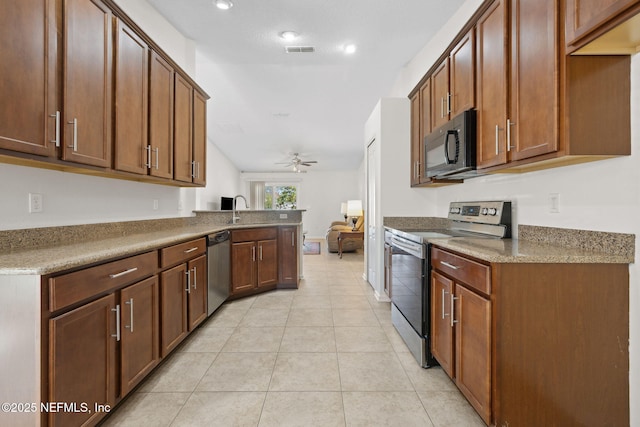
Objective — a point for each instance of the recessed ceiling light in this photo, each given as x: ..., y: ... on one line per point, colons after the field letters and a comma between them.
x: 349, y: 49
x: 289, y: 35
x: 223, y: 4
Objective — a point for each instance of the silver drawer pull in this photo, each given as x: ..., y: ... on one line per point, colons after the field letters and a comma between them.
x: 188, y: 251
x: 446, y: 264
x: 56, y: 141
x: 195, y: 278
x: 453, y: 310
x: 123, y: 273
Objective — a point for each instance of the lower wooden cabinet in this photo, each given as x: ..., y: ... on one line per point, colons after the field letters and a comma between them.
x: 288, y: 257
x: 254, y: 260
x: 197, y: 291
x: 82, y: 361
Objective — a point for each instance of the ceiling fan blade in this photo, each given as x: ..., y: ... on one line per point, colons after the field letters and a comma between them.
x: 309, y: 161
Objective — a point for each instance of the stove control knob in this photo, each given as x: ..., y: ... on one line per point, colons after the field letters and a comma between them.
x: 484, y: 211
x: 493, y: 211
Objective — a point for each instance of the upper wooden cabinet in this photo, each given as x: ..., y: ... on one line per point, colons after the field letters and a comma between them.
x: 132, y: 94
x: 87, y: 78
x: 92, y: 93
x: 27, y: 66
x: 584, y: 17
x: 491, y: 77
x: 199, y: 139
x: 462, y: 75
x: 416, y: 137
x: 161, y: 93
x: 440, y: 99
x: 518, y: 113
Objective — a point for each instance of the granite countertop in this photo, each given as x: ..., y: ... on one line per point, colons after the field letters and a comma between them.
x: 56, y: 258
x: 525, y: 251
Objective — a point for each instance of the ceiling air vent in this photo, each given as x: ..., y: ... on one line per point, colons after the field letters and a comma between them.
x: 299, y: 49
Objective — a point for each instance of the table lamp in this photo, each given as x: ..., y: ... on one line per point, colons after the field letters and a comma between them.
x: 354, y: 210
x: 343, y: 210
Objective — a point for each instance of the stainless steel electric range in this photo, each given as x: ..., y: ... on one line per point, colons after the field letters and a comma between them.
x: 410, y: 267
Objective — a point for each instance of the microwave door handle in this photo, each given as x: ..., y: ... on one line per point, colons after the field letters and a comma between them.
x: 446, y: 148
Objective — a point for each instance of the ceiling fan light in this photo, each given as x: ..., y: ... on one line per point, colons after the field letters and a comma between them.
x: 223, y: 4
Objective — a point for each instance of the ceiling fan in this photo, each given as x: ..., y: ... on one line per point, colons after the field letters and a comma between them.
x: 296, y: 162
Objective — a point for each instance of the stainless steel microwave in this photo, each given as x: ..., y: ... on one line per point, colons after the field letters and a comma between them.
x: 450, y: 150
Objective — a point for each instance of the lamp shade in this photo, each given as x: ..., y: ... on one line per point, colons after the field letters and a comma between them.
x: 343, y: 208
x: 354, y: 207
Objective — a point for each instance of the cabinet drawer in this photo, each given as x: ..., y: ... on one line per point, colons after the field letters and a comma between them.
x: 251, y: 234
x: 466, y: 271
x: 80, y: 285
x: 182, y: 252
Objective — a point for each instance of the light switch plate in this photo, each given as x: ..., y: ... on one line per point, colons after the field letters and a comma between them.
x: 35, y: 202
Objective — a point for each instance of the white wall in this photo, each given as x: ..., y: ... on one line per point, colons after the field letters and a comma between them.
x: 223, y: 179
x: 603, y: 195
x: 319, y: 193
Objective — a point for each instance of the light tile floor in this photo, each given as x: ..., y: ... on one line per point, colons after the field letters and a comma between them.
x: 325, y: 354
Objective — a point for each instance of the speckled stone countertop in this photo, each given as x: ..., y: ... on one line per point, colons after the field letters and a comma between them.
x: 536, y: 244
x: 77, y: 246
x: 527, y: 251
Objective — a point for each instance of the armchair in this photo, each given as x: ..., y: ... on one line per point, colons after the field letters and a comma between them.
x: 348, y: 245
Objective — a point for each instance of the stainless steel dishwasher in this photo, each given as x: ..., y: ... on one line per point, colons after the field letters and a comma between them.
x: 219, y: 265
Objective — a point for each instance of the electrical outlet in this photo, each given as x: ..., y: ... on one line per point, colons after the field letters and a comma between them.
x: 155, y: 204
x: 283, y: 216
x: 554, y: 202
x: 35, y: 203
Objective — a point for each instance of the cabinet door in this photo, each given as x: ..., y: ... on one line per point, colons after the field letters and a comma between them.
x: 243, y: 266
x: 161, y: 117
x: 584, y: 16
x: 462, y: 75
x: 87, y: 82
x: 440, y: 94
x: 173, y: 308
x: 267, y: 263
x: 199, y: 138
x: 441, y: 329
x: 82, y: 360
x: 197, y: 291
x: 534, y: 113
x: 139, y: 345
x: 28, y: 80
x: 182, y: 142
x: 491, y: 85
x: 416, y: 136
x: 132, y: 92
x: 473, y: 349
x: 288, y: 256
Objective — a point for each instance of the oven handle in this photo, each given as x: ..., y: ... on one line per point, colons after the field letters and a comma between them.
x: 415, y: 249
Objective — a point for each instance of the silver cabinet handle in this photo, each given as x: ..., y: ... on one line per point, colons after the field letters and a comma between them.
x: 148, y: 163
x: 117, y: 334
x: 443, y: 312
x: 123, y: 273
x: 260, y: 248
x: 253, y: 253
x: 497, y: 142
x: 57, y: 132
x: 452, y: 310
x: 188, y: 251
x: 130, y: 304
x: 188, y: 274
x: 193, y: 169
x: 195, y: 279
x: 509, y: 124
x: 446, y: 264
x: 75, y: 134
x: 157, y: 151
x: 448, y: 103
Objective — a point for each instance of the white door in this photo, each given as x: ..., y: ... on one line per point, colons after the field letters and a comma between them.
x: 371, y: 215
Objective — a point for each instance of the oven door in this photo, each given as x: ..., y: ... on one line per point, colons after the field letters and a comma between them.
x: 409, y: 285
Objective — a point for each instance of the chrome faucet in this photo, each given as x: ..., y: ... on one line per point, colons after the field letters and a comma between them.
x: 235, y: 217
